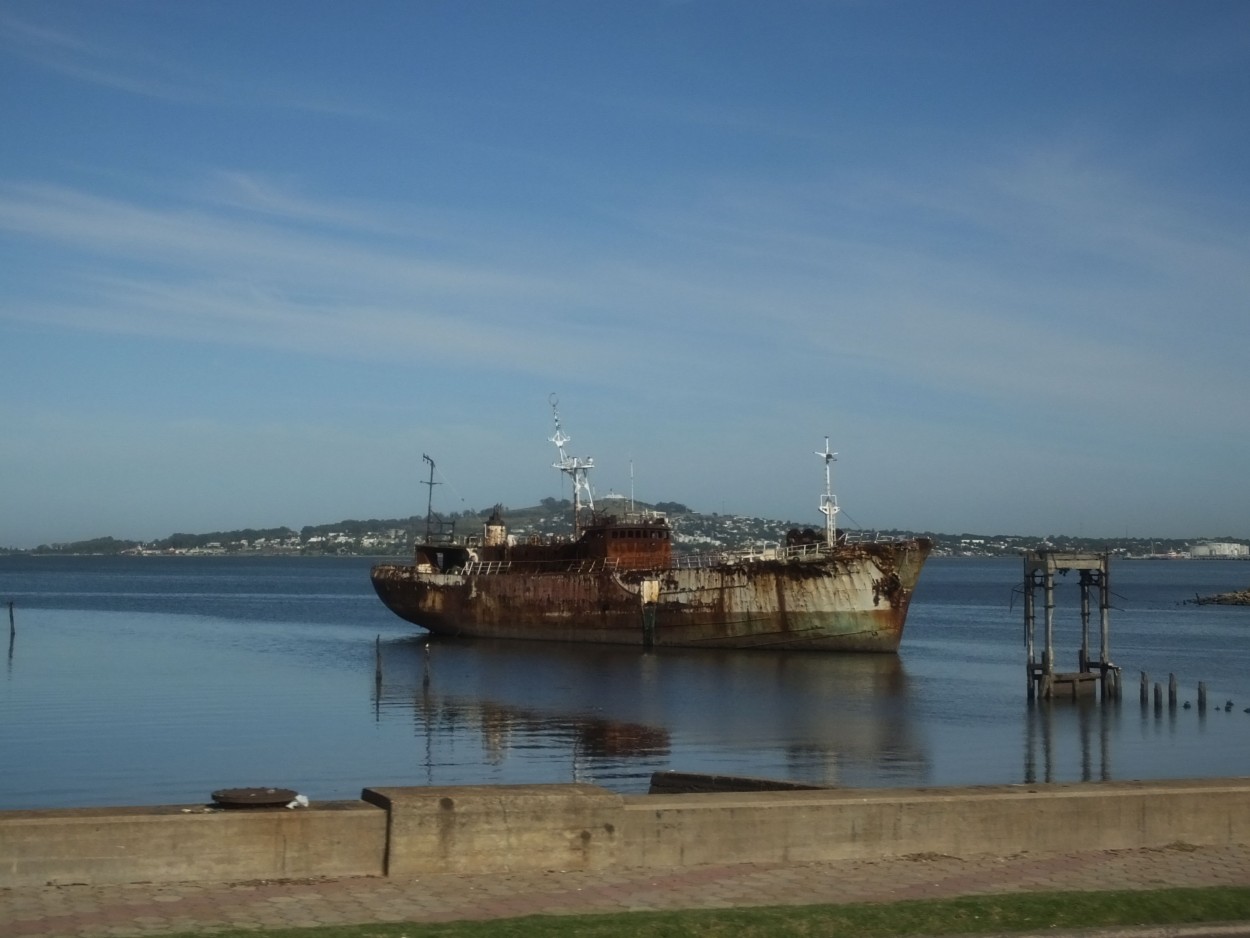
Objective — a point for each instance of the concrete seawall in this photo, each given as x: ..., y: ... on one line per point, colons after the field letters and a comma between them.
x: 411, y: 831
x: 173, y: 844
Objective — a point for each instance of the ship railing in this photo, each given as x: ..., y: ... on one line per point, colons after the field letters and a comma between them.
x: 757, y: 554
x: 871, y: 537
x: 487, y: 567
x: 695, y: 561
x: 481, y: 567
x: 804, y: 551
x: 597, y: 565
x: 722, y: 557
x: 779, y: 551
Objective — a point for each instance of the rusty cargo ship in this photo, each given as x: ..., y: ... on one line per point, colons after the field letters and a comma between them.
x: 617, y: 579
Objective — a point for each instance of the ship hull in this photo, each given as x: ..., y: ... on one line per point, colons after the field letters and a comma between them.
x: 854, y: 599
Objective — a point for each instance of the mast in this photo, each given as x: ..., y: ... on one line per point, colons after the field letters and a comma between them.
x: 429, y: 505
x: 829, y: 501
x: 575, y: 467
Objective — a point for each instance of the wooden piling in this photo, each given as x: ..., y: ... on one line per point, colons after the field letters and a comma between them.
x: 1171, y: 691
x: 1111, y: 689
x: 1145, y: 689
x: 12, y: 624
x: 377, y: 661
x: 1202, y: 697
x: 1158, y: 697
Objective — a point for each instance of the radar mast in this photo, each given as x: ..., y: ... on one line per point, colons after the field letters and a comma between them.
x: 829, y: 501
x: 575, y: 467
x: 429, y: 505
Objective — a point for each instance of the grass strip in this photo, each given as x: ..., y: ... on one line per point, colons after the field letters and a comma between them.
x: 971, y: 915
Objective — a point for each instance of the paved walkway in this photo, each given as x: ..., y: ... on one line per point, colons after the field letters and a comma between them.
x: 134, y: 910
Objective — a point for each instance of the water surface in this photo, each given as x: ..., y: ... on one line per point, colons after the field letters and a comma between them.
x: 158, y: 680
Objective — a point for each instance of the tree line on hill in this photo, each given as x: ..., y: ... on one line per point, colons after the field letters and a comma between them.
x: 712, y: 531
x: 184, y: 542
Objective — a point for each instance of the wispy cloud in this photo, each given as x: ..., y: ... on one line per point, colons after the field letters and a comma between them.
x: 202, y: 238
x: 139, y: 69
x: 219, y: 273
x: 134, y: 70
x: 1049, y: 278
x: 254, y: 192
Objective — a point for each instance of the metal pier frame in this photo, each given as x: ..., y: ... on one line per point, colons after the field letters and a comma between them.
x: 1040, y: 567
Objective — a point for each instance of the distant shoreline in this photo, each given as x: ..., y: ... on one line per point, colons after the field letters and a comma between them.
x: 694, y: 532
x: 1235, y: 598
x: 187, y: 555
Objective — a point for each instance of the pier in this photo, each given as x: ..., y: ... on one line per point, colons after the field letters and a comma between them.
x: 1044, y: 681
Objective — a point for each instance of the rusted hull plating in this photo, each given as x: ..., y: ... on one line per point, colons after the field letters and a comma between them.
x: 853, y: 599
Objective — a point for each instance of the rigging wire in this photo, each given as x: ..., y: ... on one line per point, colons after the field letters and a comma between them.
x: 443, y: 480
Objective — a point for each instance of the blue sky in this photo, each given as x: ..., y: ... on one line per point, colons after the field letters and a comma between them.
x: 257, y: 258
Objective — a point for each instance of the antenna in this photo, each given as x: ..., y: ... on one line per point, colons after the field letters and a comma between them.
x: 429, y: 506
x: 574, y: 467
x: 829, y: 501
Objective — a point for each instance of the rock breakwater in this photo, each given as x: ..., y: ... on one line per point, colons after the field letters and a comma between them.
x: 1235, y: 598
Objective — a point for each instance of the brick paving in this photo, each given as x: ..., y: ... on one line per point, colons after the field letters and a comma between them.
x: 161, y: 909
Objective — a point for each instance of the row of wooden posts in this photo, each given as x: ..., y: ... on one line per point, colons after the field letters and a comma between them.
x: 1172, y: 693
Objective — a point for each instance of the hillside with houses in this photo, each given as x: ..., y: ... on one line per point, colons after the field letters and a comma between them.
x: 693, y: 532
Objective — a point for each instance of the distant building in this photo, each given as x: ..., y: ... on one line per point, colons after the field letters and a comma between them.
x: 1222, y: 550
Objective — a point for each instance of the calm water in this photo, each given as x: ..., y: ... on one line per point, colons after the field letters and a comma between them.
x: 158, y: 680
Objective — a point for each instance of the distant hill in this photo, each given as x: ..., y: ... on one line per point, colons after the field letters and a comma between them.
x: 693, y: 532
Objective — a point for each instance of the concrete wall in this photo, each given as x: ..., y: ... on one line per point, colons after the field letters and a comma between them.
x: 172, y: 844
x: 496, y: 828
x: 412, y: 831
x: 661, y: 830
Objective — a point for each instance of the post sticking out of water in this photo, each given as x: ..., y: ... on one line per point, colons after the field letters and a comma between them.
x: 1171, y: 691
x: 377, y: 661
x: 1086, y: 581
x: 1158, y: 697
x: 1145, y: 689
x: 1202, y: 697
x: 12, y: 626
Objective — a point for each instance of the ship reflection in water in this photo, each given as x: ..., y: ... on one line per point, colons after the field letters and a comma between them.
x: 543, y: 712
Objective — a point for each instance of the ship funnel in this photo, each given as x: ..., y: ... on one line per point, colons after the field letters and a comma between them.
x: 495, y: 532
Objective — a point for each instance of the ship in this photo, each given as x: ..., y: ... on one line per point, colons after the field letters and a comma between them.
x: 615, y: 578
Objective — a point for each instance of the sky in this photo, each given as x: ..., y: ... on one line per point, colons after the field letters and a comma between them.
x: 258, y: 258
